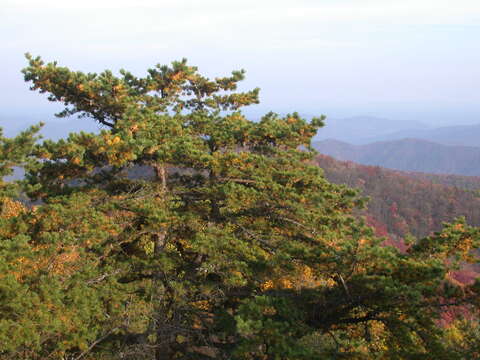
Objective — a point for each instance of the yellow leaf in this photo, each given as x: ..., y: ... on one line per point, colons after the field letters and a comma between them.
x: 181, y: 339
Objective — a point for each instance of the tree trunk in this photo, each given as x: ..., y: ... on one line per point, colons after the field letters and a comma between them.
x: 161, y: 173
x: 163, y: 348
x: 165, y: 336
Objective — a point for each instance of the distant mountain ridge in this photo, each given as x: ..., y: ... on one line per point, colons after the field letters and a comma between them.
x: 407, y: 155
x: 460, y: 135
x: 358, y: 129
x: 362, y: 130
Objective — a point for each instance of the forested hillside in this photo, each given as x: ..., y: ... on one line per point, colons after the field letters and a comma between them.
x: 234, y: 246
x: 407, y: 203
x: 460, y: 181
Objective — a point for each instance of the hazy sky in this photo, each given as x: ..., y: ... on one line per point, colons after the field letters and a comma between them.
x: 401, y: 59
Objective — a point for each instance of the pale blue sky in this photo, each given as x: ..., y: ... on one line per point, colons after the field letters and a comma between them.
x: 406, y: 59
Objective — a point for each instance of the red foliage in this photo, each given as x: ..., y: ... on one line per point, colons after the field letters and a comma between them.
x: 464, y: 276
x: 381, y: 231
x: 407, y: 203
x: 379, y: 227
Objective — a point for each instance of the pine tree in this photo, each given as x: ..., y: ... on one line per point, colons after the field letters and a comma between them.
x: 186, y: 231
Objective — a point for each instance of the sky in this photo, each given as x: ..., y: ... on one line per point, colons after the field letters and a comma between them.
x: 402, y: 60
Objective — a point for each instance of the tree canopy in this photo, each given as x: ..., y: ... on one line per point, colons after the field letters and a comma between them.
x: 186, y: 231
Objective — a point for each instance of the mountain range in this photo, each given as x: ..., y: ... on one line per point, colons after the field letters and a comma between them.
x: 408, y: 155
x: 462, y: 135
x: 361, y: 130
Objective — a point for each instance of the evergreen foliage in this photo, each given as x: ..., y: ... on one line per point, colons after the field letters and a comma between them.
x: 236, y: 247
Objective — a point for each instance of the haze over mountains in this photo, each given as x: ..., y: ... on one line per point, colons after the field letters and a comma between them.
x: 403, y: 145
x: 361, y: 130
x: 462, y: 135
x: 408, y: 155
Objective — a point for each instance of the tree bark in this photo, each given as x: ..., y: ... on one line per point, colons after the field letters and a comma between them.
x: 164, y: 336
x: 161, y: 173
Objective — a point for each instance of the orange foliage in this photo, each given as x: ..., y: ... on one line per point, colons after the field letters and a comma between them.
x: 10, y: 208
x: 303, y: 277
x: 61, y: 263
